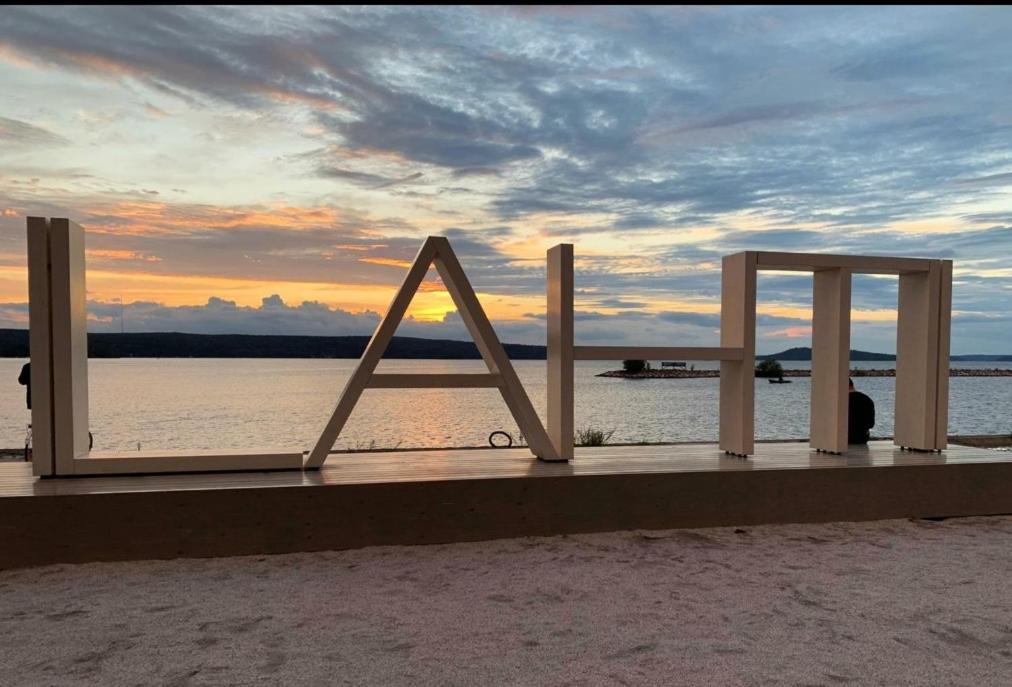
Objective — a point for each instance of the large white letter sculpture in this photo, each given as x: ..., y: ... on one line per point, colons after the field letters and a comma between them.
x: 58, y: 347
x: 562, y: 352
x: 501, y: 375
x: 922, y: 348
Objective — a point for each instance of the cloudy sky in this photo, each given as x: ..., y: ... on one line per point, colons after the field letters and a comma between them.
x: 273, y: 170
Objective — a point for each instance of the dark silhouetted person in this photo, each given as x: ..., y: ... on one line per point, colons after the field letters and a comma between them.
x: 25, y: 379
x: 860, y: 416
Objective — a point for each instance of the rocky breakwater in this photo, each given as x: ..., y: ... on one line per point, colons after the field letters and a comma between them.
x: 702, y: 374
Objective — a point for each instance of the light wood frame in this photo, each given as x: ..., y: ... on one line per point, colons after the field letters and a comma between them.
x: 58, y: 349
x: 737, y: 377
x: 562, y: 351
x: 436, y: 250
x: 922, y: 371
x: 922, y: 346
x: 40, y: 345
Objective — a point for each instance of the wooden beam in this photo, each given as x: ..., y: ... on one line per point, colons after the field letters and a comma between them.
x: 864, y: 264
x: 434, y: 381
x: 658, y: 353
x: 917, y: 359
x: 944, y: 335
x: 374, y: 350
x: 69, y: 344
x: 830, y: 360
x: 737, y: 330
x: 560, y: 349
x: 491, y: 350
x: 153, y: 462
x: 40, y: 346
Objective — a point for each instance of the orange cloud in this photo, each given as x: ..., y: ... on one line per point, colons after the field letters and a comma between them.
x: 390, y: 262
x: 96, y: 63
x: 284, y: 95
x: 151, y: 217
x: 11, y: 56
x: 122, y: 255
x: 155, y: 111
x: 357, y: 247
x: 792, y: 332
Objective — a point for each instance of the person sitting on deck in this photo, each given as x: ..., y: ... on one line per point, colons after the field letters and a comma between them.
x: 25, y: 379
x: 860, y: 416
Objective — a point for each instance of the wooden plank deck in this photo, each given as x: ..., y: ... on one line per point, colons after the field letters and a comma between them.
x: 415, y: 497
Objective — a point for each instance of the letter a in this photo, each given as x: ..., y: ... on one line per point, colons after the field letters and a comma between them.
x: 436, y: 250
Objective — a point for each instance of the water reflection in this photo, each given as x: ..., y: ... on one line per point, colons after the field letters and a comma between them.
x: 199, y: 403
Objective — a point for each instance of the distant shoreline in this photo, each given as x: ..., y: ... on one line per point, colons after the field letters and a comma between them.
x: 14, y: 344
x: 704, y: 374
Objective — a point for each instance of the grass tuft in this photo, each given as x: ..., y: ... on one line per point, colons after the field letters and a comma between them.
x: 592, y: 437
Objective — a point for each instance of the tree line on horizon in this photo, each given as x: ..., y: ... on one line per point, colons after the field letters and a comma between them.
x: 14, y: 344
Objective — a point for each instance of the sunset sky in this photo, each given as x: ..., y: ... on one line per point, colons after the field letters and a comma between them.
x: 273, y: 170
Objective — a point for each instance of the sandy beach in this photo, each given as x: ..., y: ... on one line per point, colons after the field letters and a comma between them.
x: 883, y: 603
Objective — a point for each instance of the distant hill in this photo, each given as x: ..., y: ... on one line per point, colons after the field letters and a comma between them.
x: 14, y: 344
x: 805, y: 353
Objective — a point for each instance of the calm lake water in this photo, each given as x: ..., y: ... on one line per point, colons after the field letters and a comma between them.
x: 205, y: 403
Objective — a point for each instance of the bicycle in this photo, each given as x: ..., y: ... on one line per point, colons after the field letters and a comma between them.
x: 28, y: 443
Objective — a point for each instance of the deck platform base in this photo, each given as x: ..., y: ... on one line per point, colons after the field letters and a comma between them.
x: 426, y: 497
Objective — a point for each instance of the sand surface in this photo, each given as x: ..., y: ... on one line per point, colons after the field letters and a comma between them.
x: 886, y: 603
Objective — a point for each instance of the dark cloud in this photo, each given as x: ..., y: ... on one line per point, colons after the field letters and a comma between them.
x: 634, y: 112
x: 16, y: 133
x: 476, y: 172
x: 908, y: 60
x: 694, y: 319
x: 450, y: 139
x: 990, y: 218
x: 219, y: 316
x: 780, y: 112
x: 364, y: 178
x: 637, y: 220
x: 1003, y: 179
